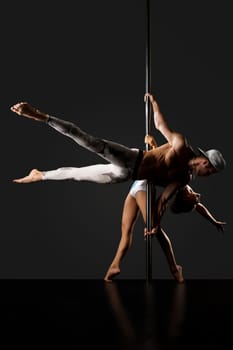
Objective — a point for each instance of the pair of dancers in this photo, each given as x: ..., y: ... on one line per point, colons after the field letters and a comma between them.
x: 171, y: 166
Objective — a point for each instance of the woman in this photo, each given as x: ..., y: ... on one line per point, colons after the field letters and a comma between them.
x: 186, y: 200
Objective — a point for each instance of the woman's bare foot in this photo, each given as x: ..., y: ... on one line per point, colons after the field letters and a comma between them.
x: 178, y: 274
x: 34, y: 175
x: 112, y: 272
x: 26, y: 110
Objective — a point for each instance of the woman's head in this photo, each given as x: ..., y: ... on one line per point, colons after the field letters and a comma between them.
x: 185, y: 200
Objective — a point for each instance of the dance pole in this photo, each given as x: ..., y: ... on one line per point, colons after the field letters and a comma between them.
x: 148, y: 114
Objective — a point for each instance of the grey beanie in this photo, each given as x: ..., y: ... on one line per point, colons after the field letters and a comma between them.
x: 215, y: 158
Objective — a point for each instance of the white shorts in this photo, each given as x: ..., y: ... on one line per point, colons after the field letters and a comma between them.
x: 138, y: 185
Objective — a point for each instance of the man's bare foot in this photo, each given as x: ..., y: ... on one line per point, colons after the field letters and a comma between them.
x: 112, y: 272
x: 26, y: 110
x: 34, y: 176
x: 178, y: 274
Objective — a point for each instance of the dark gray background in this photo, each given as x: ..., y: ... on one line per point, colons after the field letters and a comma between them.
x: 85, y: 61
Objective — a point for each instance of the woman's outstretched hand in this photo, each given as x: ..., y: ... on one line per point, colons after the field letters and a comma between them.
x: 150, y: 233
x: 220, y: 225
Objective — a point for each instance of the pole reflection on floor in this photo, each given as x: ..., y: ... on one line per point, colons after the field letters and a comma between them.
x: 160, y: 317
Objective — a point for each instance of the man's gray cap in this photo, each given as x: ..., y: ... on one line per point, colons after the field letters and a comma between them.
x: 214, y: 157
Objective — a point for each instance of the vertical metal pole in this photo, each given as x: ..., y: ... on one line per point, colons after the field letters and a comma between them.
x: 148, y: 113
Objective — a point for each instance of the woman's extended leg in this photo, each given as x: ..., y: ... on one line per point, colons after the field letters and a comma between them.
x: 129, y: 217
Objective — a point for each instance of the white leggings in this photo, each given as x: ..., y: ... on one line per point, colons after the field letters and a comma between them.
x: 122, y: 161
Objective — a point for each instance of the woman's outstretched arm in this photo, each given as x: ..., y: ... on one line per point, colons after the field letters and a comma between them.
x: 201, y: 209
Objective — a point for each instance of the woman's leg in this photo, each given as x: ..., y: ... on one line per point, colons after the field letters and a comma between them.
x: 163, y: 239
x: 166, y: 246
x: 129, y: 217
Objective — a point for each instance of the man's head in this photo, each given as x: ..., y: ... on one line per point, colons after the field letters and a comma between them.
x: 207, y: 163
x: 215, y: 158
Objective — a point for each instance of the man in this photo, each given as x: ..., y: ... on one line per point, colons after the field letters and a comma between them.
x: 171, y: 165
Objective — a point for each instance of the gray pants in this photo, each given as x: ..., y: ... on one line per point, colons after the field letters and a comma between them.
x: 121, y: 159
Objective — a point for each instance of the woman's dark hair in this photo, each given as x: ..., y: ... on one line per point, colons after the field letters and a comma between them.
x: 180, y: 204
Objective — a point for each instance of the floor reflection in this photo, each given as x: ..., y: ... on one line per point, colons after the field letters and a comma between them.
x: 79, y: 314
x: 154, y: 322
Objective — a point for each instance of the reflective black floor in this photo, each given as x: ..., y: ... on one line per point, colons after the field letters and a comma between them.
x: 125, y: 314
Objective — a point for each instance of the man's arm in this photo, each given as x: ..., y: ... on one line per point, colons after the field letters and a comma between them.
x: 201, y: 209
x: 175, y: 139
